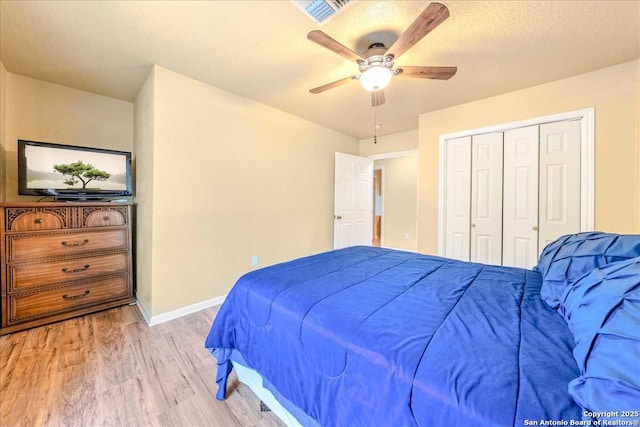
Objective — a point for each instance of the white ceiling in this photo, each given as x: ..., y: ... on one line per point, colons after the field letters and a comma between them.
x: 258, y: 49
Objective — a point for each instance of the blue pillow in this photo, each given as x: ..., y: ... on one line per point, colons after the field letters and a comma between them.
x: 602, y: 310
x: 565, y: 260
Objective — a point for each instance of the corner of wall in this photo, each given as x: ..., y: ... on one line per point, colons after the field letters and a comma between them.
x: 3, y: 131
x: 143, y: 140
x: 269, y: 174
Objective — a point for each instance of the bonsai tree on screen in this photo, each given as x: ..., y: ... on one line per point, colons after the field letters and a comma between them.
x: 81, y: 172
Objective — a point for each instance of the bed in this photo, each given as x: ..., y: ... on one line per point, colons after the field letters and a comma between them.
x: 368, y: 336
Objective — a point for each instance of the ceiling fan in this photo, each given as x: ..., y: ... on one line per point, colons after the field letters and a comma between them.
x: 376, y: 64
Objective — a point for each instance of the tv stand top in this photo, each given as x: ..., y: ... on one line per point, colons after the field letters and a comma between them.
x: 60, y: 203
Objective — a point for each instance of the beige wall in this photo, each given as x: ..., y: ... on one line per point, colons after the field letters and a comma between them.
x: 401, y: 141
x: 400, y: 202
x: 3, y: 129
x: 232, y: 178
x: 638, y: 153
x: 613, y: 92
x: 143, y: 126
x: 42, y: 111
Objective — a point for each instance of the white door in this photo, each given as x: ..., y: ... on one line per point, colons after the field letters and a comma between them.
x: 486, y: 198
x: 353, y: 201
x: 520, y: 207
x: 458, y: 198
x: 559, y: 181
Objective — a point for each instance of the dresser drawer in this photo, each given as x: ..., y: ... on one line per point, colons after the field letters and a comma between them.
x: 103, y: 217
x: 36, y: 219
x: 21, y: 247
x: 30, y: 276
x: 44, y: 303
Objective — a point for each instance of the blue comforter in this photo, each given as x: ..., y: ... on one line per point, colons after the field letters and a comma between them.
x: 369, y: 337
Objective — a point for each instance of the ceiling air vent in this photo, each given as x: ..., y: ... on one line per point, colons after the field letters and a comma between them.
x: 320, y: 10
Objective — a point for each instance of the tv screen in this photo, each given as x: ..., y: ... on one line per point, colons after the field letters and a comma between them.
x: 67, y: 171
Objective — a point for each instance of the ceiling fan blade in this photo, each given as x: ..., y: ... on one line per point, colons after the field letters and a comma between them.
x: 326, y: 41
x: 331, y: 85
x: 429, y: 19
x: 377, y: 98
x: 439, y: 73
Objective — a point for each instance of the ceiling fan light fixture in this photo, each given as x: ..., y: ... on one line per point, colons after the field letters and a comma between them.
x: 375, y: 78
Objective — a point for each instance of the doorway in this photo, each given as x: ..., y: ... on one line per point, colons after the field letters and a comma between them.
x: 395, y: 200
x: 377, y: 207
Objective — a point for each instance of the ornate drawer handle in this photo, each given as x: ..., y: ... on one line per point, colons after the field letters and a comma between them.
x: 38, y: 221
x: 71, y: 245
x: 66, y: 270
x: 67, y: 297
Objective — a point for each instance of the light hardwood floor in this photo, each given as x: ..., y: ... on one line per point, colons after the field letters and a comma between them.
x: 111, y: 369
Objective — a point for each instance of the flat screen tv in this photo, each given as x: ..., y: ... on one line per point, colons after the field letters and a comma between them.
x: 70, y: 172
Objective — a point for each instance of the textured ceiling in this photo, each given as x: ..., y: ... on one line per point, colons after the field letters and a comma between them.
x: 258, y: 49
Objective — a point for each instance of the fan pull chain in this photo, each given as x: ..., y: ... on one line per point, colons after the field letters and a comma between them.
x: 375, y: 124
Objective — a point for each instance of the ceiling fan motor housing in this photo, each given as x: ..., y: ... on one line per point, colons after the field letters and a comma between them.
x: 376, y: 55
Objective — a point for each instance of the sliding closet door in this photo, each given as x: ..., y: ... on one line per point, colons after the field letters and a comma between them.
x: 520, y: 208
x: 559, y: 180
x: 458, y: 197
x: 486, y: 198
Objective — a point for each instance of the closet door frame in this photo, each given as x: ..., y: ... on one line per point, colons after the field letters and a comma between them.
x: 587, y: 162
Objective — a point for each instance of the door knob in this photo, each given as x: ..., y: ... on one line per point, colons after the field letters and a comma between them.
x: 337, y: 217
x: 473, y: 225
x: 534, y: 228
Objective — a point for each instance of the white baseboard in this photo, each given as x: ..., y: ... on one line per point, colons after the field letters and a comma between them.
x: 143, y: 310
x: 174, y: 314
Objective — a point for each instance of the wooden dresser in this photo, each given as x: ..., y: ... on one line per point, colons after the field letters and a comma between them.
x: 61, y: 260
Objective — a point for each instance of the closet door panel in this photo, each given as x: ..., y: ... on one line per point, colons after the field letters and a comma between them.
x: 458, y: 198
x: 520, y: 205
x: 559, y: 180
x: 486, y: 198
